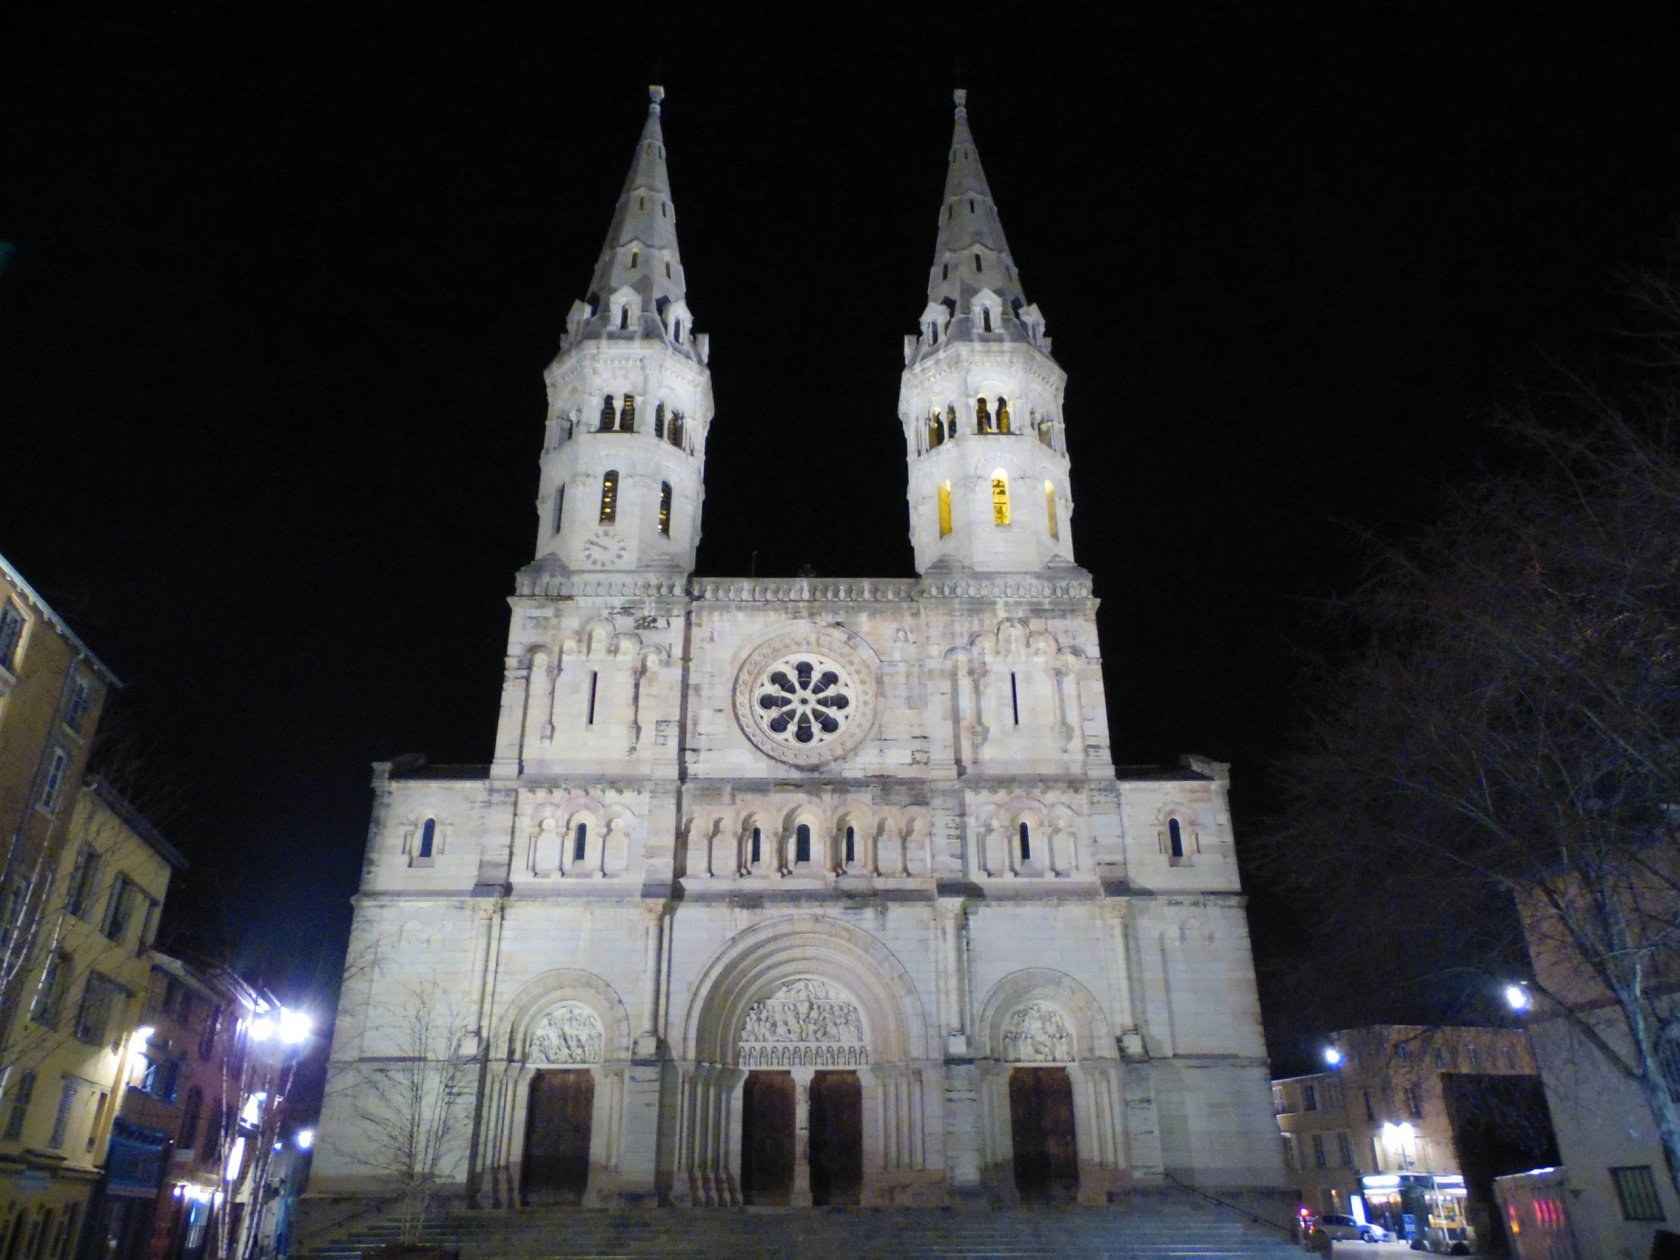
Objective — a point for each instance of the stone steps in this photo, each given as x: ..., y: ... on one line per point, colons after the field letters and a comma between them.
x: 1158, y: 1232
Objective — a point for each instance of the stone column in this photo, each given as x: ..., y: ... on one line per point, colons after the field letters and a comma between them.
x: 802, y: 1136
x: 647, y: 1038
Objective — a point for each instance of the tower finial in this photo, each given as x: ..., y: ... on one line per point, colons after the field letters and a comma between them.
x: 655, y: 95
x: 960, y: 96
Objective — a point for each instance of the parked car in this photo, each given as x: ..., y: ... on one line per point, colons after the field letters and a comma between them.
x: 1346, y: 1229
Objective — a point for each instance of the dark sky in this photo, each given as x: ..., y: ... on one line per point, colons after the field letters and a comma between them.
x: 283, y: 280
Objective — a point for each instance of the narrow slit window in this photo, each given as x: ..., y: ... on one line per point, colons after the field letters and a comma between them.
x: 1000, y: 497
x: 659, y: 421
x: 1175, y: 838
x: 664, y: 509
x: 641, y: 204
x: 1025, y: 835
x: 978, y: 266
x: 676, y: 332
x: 667, y: 268
x: 1015, y: 696
x: 971, y: 205
x: 802, y: 843
x: 944, y: 271
x: 1003, y: 414
x: 627, y: 415
x: 757, y: 846
x: 559, y: 507
x: 609, y: 413
x: 635, y: 259
x: 944, y: 509
x: 1050, y: 509
x: 624, y: 317
x: 580, y: 842
x: 982, y: 416
x: 594, y: 686
x: 851, y: 845
x: 986, y: 318
x: 428, y: 836
x: 609, y: 497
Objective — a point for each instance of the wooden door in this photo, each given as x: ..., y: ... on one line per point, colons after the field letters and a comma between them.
x: 836, y: 1138
x: 1041, y: 1128
x: 557, y: 1123
x: 767, y: 1138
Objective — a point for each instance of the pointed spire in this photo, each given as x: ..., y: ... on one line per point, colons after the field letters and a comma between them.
x: 970, y: 254
x: 640, y: 253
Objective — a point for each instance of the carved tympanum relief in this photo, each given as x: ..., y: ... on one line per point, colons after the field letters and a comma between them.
x: 803, y: 1024
x: 1037, y: 1033
x: 570, y: 1033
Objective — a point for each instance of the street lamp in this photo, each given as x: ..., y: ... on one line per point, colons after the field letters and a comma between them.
x: 1517, y: 997
x: 1332, y: 1056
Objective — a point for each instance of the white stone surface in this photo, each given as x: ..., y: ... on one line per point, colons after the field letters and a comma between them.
x: 951, y: 858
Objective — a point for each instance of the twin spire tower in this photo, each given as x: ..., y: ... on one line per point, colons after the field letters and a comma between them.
x: 630, y: 397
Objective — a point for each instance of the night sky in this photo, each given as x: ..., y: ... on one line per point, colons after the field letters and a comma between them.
x: 282, y: 280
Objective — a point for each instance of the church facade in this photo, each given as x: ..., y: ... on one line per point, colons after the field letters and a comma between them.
x: 800, y: 890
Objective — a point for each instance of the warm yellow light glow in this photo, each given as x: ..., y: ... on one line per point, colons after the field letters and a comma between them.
x: 1050, y: 508
x: 609, y: 497
x: 944, y: 508
x: 1000, y: 497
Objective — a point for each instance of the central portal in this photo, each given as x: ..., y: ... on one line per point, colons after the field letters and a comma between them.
x: 767, y: 1138
x: 836, y: 1138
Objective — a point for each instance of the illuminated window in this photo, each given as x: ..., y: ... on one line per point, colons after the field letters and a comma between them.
x: 951, y: 421
x: 664, y: 509
x: 935, y: 430
x: 1000, y: 497
x: 944, y: 508
x: 1050, y: 508
x: 627, y: 415
x: 802, y: 843
x: 675, y: 432
x: 559, y: 507
x: 609, y: 414
x: 609, y: 497
x: 1003, y: 413
x: 982, y: 416
x: 659, y: 421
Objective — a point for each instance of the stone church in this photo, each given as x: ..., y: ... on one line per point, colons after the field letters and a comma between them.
x: 800, y: 890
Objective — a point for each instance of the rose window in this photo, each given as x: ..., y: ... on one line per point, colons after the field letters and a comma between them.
x: 803, y: 700
x: 806, y: 698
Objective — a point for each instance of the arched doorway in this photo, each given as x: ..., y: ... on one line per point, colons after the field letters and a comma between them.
x: 802, y: 1101
x: 560, y: 1109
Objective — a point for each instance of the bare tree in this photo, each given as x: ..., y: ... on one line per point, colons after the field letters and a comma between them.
x: 1506, y: 737
x: 413, y: 1102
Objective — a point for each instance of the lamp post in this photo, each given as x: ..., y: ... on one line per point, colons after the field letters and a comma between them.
x: 275, y: 1041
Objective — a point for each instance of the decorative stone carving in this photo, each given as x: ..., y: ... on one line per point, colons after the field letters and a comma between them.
x: 1037, y: 1033
x: 803, y: 1024
x: 570, y: 1033
x: 805, y: 698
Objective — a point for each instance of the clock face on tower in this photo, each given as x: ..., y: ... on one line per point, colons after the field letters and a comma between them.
x: 604, y: 549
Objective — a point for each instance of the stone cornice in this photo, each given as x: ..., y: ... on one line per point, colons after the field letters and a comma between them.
x: 541, y: 581
x: 804, y: 590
